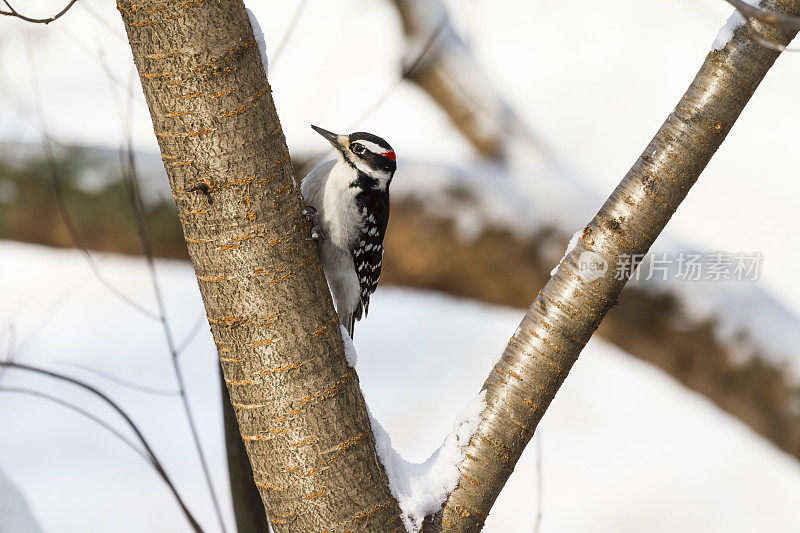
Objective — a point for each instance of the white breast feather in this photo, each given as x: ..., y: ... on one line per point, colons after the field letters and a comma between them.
x: 327, y: 189
x: 341, y: 218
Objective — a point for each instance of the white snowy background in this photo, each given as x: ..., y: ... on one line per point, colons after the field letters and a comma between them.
x: 623, y: 447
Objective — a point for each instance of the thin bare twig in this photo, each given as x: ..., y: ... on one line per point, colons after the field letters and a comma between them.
x: 539, y: 482
x: 14, y: 13
x: 99, y: 59
x: 103, y: 22
x: 56, y: 178
x: 55, y: 306
x: 12, y: 342
x: 434, y: 36
x: 123, y: 382
x: 273, y: 61
x: 128, y: 421
x: 404, y: 74
x: 94, y: 418
x: 195, y: 329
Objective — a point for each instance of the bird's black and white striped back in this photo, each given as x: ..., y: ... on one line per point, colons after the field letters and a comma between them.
x: 367, y: 250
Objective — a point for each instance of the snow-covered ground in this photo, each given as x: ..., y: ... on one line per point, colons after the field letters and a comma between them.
x: 623, y: 447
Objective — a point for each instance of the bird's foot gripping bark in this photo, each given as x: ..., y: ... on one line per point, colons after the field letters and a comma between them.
x: 317, y: 233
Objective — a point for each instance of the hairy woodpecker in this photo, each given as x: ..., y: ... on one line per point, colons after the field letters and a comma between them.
x: 349, y: 200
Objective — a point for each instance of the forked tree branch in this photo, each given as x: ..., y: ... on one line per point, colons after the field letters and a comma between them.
x: 298, y: 405
x: 572, y: 304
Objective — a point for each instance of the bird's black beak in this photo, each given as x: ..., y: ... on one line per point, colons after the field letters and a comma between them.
x: 340, y: 142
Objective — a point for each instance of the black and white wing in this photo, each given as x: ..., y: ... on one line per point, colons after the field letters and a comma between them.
x: 367, y: 250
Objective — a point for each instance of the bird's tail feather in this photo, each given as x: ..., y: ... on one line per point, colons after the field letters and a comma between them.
x: 349, y: 323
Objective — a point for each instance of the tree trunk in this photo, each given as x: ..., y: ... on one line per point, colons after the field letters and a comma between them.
x: 298, y: 404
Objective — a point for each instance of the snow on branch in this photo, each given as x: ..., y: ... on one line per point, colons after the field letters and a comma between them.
x: 422, y: 488
x: 262, y: 43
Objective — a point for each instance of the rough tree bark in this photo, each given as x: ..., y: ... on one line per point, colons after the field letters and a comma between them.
x: 298, y: 404
x: 571, y: 305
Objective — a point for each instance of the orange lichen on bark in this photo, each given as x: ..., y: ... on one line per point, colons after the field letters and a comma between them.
x: 282, y: 368
x: 266, y: 342
x: 325, y: 393
x: 305, y: 442
x: 235, y: 112
x: 531, y: 403
x: 229, y: 321
x: 212, y: 278
x: 351, y: 442
x: 322, y: 329
x: 259, y: 94
x: 281, y: 278
x: 225, y: 92
x: 267, y: 486
x: 183, y: 133
x: 271, y: 432
x: 162, y: 55
x: 151, y: 75
x: 363, y: 515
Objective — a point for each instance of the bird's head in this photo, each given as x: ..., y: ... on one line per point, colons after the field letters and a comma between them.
x: 364, y: 151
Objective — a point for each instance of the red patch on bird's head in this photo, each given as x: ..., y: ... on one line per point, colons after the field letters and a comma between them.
x: 390, y: 155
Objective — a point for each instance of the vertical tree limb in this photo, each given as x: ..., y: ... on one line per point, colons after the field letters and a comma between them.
x: 298, y: 404
x: 248, y: 508
x: 571, y: 305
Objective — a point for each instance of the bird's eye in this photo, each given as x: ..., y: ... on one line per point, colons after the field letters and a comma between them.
x: 357, y: 148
